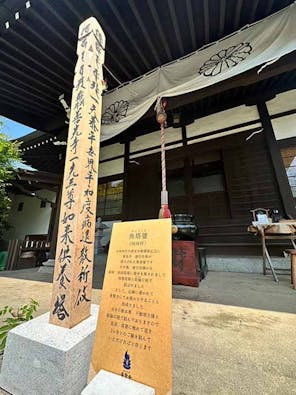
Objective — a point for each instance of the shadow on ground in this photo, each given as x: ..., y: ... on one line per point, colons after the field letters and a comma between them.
x: 226, y: 288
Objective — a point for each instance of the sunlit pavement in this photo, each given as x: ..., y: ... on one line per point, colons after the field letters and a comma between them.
x: 233, y: 335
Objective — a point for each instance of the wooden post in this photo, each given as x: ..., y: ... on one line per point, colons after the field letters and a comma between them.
x: 72, y: 282
x: 54, y: 223
x: 293, y: 267
x: 124, y: 212
x: 293, y: 270
x: 184, y: 135
x: 276, y: 159
x: 263, y: 244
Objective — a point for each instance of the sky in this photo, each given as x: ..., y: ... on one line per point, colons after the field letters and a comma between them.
x: 14, y: 129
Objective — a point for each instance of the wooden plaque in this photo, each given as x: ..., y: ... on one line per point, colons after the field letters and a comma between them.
x: 72, y: 282
x: 134, y: 331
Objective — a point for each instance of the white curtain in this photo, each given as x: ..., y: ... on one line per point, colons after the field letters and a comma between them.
x: 254, y: 45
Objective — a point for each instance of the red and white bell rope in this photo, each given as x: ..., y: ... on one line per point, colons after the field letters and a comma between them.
x: 161, y: 118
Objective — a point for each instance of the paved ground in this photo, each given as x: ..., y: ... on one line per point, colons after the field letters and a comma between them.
x: 234, y: 289
x: 35, y: 275
x: 219, y: 345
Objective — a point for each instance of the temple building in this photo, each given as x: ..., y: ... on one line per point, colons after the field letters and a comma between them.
x: 230, y: 142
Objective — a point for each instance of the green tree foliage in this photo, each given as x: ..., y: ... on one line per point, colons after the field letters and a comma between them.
x: 9, y: 153
x: 12, y: 317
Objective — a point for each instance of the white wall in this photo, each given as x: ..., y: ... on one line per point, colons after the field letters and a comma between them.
x: 284, y: 127
x: 210, y: 123
x: 32, y: 219
x: 110, y: 151
x: 282, y: 102
x: 111, y: 167
x: 221, y: 120
x: 153, y: 139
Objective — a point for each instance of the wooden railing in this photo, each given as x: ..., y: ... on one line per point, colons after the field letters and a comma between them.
x: 26, y: 253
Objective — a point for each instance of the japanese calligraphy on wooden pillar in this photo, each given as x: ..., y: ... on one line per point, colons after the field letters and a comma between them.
x: 72, y: 282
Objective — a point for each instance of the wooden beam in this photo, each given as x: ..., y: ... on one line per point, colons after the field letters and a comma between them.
x: 126, y: 30
x: 144, y: 30
x: 222, y: 17
x: 206, y: 21
x: 111, y: 33
x: 174, y: 19
x: 160, y: 29
x: 33, y: 60
x: 43, y: 52
x: 238, y: 12
x: 39, y: 177
x: 277, y: 161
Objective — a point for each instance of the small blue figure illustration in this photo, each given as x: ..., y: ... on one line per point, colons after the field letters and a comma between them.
x: 126, y: 361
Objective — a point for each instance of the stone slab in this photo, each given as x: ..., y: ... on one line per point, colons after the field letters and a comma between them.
x: 107, y: 383
x: 46, y: 269
x: 250, y: 264
x: 45, y: 359
x: 48, y: 263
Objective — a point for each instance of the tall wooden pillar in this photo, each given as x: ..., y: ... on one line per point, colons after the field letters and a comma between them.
x: 184, y: 135
x: 72, y: 282
x: 276, y: 159
x: 125, y: 181
x: 54, y: 223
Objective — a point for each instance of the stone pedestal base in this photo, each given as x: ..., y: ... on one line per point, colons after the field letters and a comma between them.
x: 49, y: 263
x: 46, y: 269
x: 45, y: 359
x: 47, y: 266
x: 107, y: 383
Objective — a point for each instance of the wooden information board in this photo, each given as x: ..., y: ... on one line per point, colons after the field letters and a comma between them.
x: 133, y: 336
x: 72, y: 281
